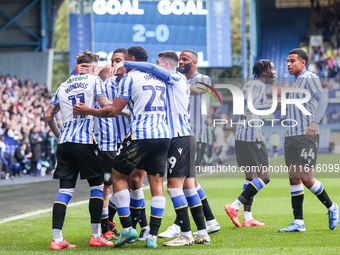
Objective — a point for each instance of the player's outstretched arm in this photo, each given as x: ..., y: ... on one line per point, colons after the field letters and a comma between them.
x: 112, y: 111
x: 196, y: 90
x: 161, y: 72
x: 103, y: 102
x: 50, y: 119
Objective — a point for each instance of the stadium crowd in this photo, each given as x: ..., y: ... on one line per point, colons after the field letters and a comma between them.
x: 22, y: 106
x: 326, y: 62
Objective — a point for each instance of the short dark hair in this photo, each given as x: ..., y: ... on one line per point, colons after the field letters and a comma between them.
x: 139, y: 53
x: 121, y: 50
x: 171, y: 55
x: 194, y: 53
x: 301, y: 54
x: 261, y: 66
x: 87, y: 57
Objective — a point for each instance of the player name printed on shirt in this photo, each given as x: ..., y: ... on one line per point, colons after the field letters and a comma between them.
x: 84, y: 89
x: 147, y: 94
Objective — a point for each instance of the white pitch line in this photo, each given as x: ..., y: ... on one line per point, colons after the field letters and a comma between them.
x: 26, y: 215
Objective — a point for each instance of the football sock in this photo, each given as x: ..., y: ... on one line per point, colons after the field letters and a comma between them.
x: 181, y: 208
x: 297, y: 194
x: 112, y: 208
x: 105, y: 220
x: 318, y: 190
x: 95, y: 208
x: 196, y: 208
x: 136, y: 203
x: 187, y: 234
x: 247, y: 205
x: 57, y: 235
x: 206, y: 207
x: 143, y: 222
x: 157, y: 210
x: 251, y: 190
x: 122, y: 199
x: 212, y: 222
x: 95, y: 230
x: 247, y: 215
x: 59, y: 207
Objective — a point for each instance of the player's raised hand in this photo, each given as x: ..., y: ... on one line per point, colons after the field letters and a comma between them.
x: 81, y: 109
x: 82, y: 68
x: 311, y: 130
x: 117, y: 67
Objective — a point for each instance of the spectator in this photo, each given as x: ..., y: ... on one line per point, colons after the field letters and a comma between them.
x: 35, y: 141
x: 22, y: 157
x: 50, y: 146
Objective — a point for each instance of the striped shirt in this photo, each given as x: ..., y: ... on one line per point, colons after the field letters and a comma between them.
x: 121, y: 123
x: 104, y: 127
x: 244, y: 131
x: 147, y: 94
x: 198, y: 121
x: 85, y: 89
x: 178, y: 99
x: 310, y: 82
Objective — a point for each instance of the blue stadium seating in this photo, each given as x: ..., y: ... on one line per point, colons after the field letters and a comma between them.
x: 281, y: 31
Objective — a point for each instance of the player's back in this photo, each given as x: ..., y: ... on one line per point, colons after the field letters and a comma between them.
x: 84, y: 89
x: 147, y: 104
x: 178, y: 100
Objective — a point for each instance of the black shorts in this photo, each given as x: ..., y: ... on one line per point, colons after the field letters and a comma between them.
x: 181, y: 157
x: 107, y: 158
x: 146, y: 154
x: 74, y: 158
x: 250, y: 154
x: 200, y: 148
x: 301, y: 149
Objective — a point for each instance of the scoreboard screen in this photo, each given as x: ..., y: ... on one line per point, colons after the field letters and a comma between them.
x: 203, y: 26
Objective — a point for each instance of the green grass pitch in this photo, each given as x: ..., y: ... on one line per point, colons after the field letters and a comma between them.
x: 272, y: 206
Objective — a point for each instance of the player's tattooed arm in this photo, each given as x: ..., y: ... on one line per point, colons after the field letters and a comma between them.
x: 53, y: 109
x: 103, y: 102
x: 196, y: 90
x: 111, y: 111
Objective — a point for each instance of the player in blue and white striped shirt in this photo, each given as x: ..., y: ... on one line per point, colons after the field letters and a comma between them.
x: 187, y: 66
x: 301, y: 142
x: 251, y: 151
x: 77, y: 152
x: 147, y: 146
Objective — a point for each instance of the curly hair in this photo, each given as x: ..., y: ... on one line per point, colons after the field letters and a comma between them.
x: 261, y: 66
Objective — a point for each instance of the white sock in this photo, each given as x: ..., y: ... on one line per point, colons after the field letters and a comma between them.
x: 332, y: 207
x: 57, y: 235
x: 151, y: 236
x: 95, y: 230
x: 146, y: 227
x: 212, y: 222
x: 248, y: 215
x: 202, y: 233
x: 126, y: 230
x: 187, y: 234
x: 299, y: 222
x: 176, y: 227
x: 236, y: 205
